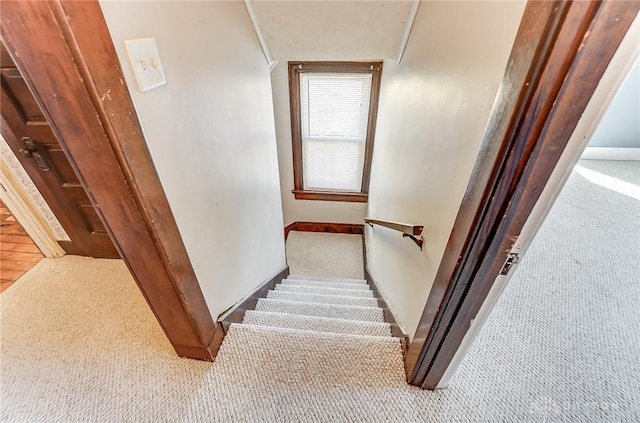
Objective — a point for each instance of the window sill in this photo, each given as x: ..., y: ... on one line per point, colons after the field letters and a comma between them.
x: 352, y: 197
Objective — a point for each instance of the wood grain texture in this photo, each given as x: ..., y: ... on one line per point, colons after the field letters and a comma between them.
x: 334, y: 228
x: 397, y: 226
x: 64, y: 48
x: 18, y: 253
x: 560, y: 54
x: 23, y: 119
x: 296, y: 135
x: 371, y: 127
x: 350, y: 197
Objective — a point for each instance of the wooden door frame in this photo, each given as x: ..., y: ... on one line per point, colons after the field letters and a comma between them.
x: 560, y: 53
x: 22, y: 207
x: 64, y: 51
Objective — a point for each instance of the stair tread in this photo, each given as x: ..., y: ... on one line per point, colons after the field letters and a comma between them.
x: 322, y: 298
x: 304, y: 361
x: 388, y: 340
x: 371, y: 314
x: 323, y: 279
x: 297, y: 363
x: 360, y: 286
x: 359, y: 293
x: 315, y: 323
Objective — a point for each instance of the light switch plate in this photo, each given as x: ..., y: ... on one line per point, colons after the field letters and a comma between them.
x: 145, y: 60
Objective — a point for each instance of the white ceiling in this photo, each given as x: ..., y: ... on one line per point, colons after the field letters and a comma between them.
x: 332, y: 30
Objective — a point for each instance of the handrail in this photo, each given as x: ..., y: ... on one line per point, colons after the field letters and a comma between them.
x: 408, y: 231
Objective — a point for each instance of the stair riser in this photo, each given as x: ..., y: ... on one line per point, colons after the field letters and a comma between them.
x: 354, y: 286
x: 370, y: 314
x: 320, y: 279
x: 360, y: 293
x: 323, y: 299
x: 316, y: 324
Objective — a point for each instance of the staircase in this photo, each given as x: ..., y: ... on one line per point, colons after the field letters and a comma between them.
x: 322, y: 311
x: 313, y: 349
x: 339, y: 306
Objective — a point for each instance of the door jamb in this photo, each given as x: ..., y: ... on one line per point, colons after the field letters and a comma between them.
x: 64, y: 51
x: 26, y: 213
x: 612, y: 80
x: 560, y: 53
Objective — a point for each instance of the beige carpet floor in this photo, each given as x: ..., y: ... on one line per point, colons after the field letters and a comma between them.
x: 334, y: 255
x: 79, y: 344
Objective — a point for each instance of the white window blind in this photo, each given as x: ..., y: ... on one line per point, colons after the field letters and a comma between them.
x: 334, y: 116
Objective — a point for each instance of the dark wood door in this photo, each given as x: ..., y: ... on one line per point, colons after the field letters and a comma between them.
x: 30, y: 137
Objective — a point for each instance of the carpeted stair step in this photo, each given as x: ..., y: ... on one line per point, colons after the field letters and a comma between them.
x: 323, y: 299
x: 368, y: 314
x: 339, y: 285
x: 325, y: 291
x: 314, y: 323
x: 341, y: 363
x: 320, y: 279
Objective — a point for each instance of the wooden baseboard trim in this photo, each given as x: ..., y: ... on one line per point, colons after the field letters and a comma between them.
x: 235, y: 313
x: 288, y: 229
x: 334, y: 228
x: 388, y: 315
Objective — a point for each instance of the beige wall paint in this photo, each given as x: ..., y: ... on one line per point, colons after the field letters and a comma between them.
x: 211, y: 135
x: 433, y: 110
x: 301, y: 210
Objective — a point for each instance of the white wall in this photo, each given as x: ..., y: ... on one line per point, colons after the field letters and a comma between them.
x: 211, y: 134
x: 301, y: 210
x: 620, y: 126
x: 433, y: 110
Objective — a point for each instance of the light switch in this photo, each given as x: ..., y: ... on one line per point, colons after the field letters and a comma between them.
x: 145, y: 60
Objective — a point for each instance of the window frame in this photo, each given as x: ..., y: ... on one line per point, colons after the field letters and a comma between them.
x: 295, y: 69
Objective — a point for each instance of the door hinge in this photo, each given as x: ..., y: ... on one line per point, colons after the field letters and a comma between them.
x: 511, y: 260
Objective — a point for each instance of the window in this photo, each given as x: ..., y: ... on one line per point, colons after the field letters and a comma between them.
x: 333, y: 114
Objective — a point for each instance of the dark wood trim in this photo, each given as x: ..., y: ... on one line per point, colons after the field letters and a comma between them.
x: 67, y: 216
x: 371, y: 129
x: 64, y: 51
x: 295, y: 69
x: 364, y: 251
x: 351, y: 197
x: 337, y: 67
x: 68, y: 201
x: 396, y: 226
x: 235, y: 314
x: 335, y: 228
x: 561, y: 51
x: 388, y: 315
x: 296, y: 128
x: 288, y: 229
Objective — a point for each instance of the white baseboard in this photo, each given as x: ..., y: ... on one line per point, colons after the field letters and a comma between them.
x: 610, y: 153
